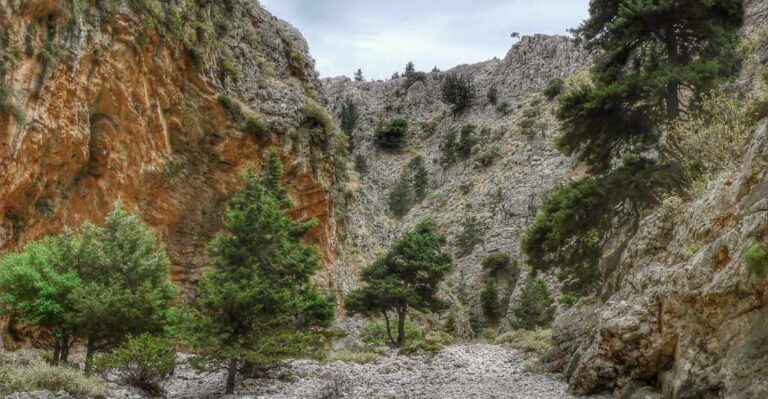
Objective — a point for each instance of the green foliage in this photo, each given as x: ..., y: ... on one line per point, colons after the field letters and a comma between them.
x: 257, y: 302
x: 496, y: 262
x: 756, y: 258
x: 391, y: 135
x: 471, y: 234
x: 375, y: 332
x: 255, y: 126
x: 28, y: 373
x: 554, y: 87
x: 419, y: 177
x: 320, y: 121
x: 399, y: 199
x: 568, y: 299
x: 539, y: 341
x: 492, y: 95
x: 526, y: 126
x: 348, y: 116
x: 447, y: 148
x: 361, y: 164
x: 359, y: 75
x: 411, y: 188
x: 489, y: 299
x: 229, y: 69
x: 232, y: 107
x: 458, y: 92
x: 535, y: 308
x: 575, y: 219
x: 103, y: 284
x: 412, y: 76
x: 485, y: 155
x: 459, y: 148
x: 503, y: 107
x: 143, y: 362
x: 407, y: 277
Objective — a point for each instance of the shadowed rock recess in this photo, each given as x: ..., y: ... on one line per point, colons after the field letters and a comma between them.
x: 124, y: 100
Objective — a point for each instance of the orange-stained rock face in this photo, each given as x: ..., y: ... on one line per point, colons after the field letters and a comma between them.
x: 113, y: 119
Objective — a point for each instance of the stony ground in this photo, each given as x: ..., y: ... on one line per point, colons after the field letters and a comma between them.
x: 460, y: 371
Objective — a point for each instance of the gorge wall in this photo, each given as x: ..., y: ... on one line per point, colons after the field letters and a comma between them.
x: 502, y: 196
x: 147, y: 101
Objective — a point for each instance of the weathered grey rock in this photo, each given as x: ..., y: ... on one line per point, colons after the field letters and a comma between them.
x: 503, y: 196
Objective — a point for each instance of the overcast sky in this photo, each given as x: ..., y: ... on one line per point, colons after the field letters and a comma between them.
x: 380, y: 36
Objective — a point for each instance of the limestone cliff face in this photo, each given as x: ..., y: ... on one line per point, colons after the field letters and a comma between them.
x: 502, y: 196
x: 126, y: 100
x: 682, y: 312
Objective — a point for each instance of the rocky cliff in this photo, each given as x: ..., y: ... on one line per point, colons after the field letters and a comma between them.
x: 161, y: 104
x: 500, y: 194
x: 683, y: 313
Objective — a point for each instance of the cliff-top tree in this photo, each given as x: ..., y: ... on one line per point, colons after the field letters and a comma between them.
x: 404, y: 279
x: 655, y: 58
x: 257, y: 302
x: 359, y: 75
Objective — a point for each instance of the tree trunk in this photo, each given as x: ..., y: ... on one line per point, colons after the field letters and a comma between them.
x: 389, y: 330
x: 89, y: 351
x: 401, y: 326
x: 65, y: 345
x: 231, y: 375
x: 56, y: 351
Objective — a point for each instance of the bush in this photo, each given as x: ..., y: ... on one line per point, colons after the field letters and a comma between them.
x: 255, y: 126
x: 361, y: 164
x: 471, y: 235
x: 484, y: 156
x: 20, y: 373
x: 321, y: 122
x: 230, y: 70
x: 448, y: 148
x: 535, y: 308
x: 399, y: 199
x: 143, y: 362
x: 348, y: 116
x: 457, y: 91
x: 375, y: 332
x: 539, y: 341
x: 368, y: 355
x: 756, y: 258
x: 554, y: 88
x: 568, y: 299
x: 391, y: 136
x: 489, y: 298
x: 487, y: 335
x: 233, y: 107
x: 467, y: 140
x: 526, y: 126
x: 492, y: 95
x: 503, y: 107
x: 496, y: 262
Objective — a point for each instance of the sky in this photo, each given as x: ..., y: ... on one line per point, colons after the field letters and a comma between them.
x: 381, y: 36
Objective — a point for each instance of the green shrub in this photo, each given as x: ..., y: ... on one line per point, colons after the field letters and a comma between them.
x: 320, y: 121
x: 503, y: 107
x: 399, y: 199
x: 471, y: 235
x: 487, y: 335
x: 535, y: 308
x: 526, y: 126
x: 568, y: 299
x: 348, y: 116
x: 143, y: 362
x: 484, y: 156
x: 756, y: 258
x: 554, y: 88
x: 230, y: 70
x: 233, y: 107
x: 530, y: 112
x: 495, y: 262
x: 367, y: 355
x: 30, y: 372
x: 254, y: 125
x: 391, y: 135
x: 457, y: 91
x: 539, y: 341
x: 447, y: 148
x: 361, y: 164
x: 466, y: 186
x: 489, y: 299
x: 492, y: 95
x: 428, y: 128
x: 467, y: 140
x: 375, y: 332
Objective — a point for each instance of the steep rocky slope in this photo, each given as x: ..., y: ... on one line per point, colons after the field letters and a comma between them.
x: 502, y: 196
x: 161, y: 104
x: 683, y: 312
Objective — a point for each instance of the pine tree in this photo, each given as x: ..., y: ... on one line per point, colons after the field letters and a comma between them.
x: 126, y: 288
x: 404, y: 279
x: 419, y: 177
x: 257, y: 302
x: 654, y: 60
x: 348, y: 116
x: 535, y: 308
x: 359, y: 75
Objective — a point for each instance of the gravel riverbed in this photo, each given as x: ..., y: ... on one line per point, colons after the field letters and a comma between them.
x: 460, y: 371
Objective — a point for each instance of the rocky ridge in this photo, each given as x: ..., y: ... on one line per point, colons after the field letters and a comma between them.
x: 503, y: 196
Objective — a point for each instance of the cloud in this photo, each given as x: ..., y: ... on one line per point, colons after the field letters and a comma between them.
x: 380, y: 37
